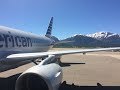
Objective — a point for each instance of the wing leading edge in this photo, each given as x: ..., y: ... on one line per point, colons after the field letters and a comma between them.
x: 42, y: 54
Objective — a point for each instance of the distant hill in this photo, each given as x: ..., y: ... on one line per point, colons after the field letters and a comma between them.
x: 99, y: 39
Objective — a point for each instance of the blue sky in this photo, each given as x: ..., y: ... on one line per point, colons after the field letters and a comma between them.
x: 70, y: 16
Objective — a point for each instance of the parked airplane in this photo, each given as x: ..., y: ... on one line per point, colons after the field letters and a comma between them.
x: 18, y: 48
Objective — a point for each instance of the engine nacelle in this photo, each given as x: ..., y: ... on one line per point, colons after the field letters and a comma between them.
x: 44, y: 77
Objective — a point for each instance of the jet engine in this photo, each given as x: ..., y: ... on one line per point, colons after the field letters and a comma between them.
x: 40, y: 77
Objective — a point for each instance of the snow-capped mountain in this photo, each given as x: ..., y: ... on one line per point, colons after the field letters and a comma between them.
x: 103, y: 35
x: 99, y: 39
x: 77, y: 35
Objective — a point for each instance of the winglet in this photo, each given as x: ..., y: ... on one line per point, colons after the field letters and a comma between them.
x: 49, y: 30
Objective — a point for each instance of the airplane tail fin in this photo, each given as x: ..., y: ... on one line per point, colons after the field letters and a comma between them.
x: 49, y: 30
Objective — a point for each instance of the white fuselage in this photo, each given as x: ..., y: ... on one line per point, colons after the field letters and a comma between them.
x: 14, y: 41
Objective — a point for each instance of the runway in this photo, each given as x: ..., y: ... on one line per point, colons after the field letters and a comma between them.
x: 93, y: 69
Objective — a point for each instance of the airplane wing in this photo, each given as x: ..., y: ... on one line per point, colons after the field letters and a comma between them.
x: 59, y: 53
x: 50, y: 74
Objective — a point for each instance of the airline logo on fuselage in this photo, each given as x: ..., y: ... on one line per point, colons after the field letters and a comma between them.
x: 14, y: 41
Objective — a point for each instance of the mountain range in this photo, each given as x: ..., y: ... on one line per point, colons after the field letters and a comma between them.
x: 98, y: 39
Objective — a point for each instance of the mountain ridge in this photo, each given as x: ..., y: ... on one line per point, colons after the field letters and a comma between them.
x: 98, y: 39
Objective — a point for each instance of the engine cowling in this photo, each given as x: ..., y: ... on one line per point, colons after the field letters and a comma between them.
x: 45, y: 77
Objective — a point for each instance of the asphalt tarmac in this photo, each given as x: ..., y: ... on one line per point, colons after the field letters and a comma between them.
x: 96, y: 71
